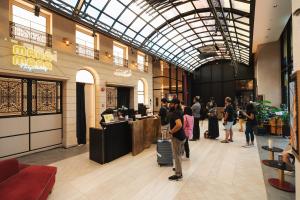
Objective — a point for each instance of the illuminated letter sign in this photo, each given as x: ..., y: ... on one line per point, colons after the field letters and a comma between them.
x: 31, y: 59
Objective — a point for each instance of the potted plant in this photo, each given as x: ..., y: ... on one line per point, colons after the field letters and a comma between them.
x: 263, y: 109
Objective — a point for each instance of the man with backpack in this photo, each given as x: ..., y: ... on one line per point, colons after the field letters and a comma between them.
x: 164, y: 119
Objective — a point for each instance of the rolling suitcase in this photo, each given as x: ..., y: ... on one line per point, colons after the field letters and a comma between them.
x: 164, y: 151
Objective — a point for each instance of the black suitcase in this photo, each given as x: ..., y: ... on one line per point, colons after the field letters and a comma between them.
x: 164, y: 151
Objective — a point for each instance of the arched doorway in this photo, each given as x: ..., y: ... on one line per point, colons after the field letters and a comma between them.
x: 85, y: 105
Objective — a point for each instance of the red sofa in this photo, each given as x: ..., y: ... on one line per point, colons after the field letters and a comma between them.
x: 25, y: 182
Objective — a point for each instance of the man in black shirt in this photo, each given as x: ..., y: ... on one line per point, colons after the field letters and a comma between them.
x: 164, y: 118
x: 228, y: 120
x: 176, y: 126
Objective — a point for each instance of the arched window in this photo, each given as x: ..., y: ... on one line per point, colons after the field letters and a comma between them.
x: 141, y: 92
x: 84, y: 76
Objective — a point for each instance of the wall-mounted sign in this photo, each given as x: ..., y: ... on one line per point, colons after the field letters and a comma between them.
x: 124, y: 72
x: 32, y: 58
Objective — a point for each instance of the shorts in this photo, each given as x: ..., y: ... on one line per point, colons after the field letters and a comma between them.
x: 228, y: 126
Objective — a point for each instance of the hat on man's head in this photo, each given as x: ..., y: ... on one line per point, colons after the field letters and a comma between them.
x: 175, y: 101
x: 164, y: 100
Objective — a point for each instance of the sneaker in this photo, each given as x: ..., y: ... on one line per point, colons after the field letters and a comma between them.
x: 230, y: 140
x: 224, y: 141
x: 246, y: 146
x: 175, y: 177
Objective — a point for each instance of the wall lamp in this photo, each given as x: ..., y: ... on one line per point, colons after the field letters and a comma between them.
x: 66, y: 41
x: 108, y: 54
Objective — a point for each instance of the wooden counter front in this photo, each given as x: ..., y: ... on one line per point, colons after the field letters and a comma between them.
x: 144, y: 133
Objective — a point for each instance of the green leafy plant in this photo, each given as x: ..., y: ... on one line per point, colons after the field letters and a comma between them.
x: 263, y: 109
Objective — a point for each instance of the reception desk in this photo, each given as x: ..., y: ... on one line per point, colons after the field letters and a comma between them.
x: 117, y: 139
x: 111, y: 142
x: 145, y: 131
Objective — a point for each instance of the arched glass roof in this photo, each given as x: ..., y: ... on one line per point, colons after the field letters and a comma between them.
x: 187, y: 33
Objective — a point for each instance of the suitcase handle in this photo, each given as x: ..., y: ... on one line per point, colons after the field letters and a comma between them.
x: 164, y: 133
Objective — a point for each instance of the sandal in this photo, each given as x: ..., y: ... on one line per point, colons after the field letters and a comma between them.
x: 224, y: 141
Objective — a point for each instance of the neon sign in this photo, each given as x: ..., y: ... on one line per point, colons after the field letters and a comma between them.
x: 123, y: 72
x: 32, y: 59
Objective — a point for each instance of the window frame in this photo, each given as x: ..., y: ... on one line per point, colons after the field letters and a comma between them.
x: 141, y: 66
x: 30, y: 8
x: 125, y: 54
x: 141, y: 92
x: 96, y: 43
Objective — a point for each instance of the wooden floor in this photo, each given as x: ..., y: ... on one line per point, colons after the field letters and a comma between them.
x: 214, y: 171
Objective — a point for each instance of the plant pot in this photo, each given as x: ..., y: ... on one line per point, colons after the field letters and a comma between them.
x: 285, y: 130
x: 261, y: 130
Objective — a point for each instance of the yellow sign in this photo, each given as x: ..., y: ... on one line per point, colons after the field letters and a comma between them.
x: 108, y: 118
x: 32, y: 59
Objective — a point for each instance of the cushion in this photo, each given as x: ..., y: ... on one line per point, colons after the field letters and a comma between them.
x: 8, y: 168
x: 30, y: 183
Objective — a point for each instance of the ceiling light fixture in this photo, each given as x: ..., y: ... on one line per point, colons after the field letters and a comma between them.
x: 275, y: 5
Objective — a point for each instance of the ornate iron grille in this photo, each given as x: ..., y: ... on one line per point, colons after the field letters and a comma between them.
x: 87, y: 52
x: 27, y: 34
x: 12, y: 96
x: 29, y: 97
x: 45, y: 97
x: 111, y: 97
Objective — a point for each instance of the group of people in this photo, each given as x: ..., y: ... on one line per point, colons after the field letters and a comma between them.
x: 178, y: 121
x: 231, y: 116
x: 182, y: 122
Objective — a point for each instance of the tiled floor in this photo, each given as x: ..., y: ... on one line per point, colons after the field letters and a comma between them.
x: 215, y: 171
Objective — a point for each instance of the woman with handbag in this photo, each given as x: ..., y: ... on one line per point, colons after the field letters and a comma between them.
x: 188, y: 124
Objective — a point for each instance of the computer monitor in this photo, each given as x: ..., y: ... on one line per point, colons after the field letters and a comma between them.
x: 142, y: 109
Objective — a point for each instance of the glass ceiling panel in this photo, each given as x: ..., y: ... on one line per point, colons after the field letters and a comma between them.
x: 241, y: 6
x: 138, y: 24
x: 159, y: 28
x: 114, y: 8
x: 170, y: 13
x: 106, y: 19
x: 93, y: 12
x: 99, y: 4
x: 185, y: 7
x: 156, y: 22
x: 127, y: 17
x: 201, y: 4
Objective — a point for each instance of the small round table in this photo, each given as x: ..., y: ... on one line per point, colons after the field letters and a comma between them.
x: 279, y: 182
x: 272, y: 151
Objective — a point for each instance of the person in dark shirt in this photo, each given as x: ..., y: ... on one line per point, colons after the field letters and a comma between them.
x: 164, y: 119
x: 178, y: 139
x: 228, y: 120
x: 251, y: 123
x: 196, y: 107
x: 213, y: 124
